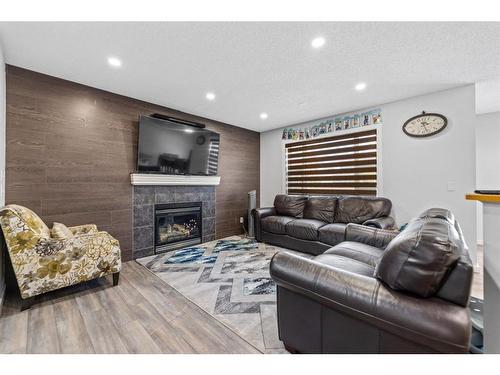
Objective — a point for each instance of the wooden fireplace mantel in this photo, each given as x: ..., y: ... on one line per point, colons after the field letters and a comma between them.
x: 166, y: 179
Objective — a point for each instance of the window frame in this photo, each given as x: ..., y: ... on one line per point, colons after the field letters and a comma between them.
x: 370, y: 186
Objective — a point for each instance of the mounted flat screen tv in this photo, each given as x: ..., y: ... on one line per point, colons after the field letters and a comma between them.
x: 169, y: 147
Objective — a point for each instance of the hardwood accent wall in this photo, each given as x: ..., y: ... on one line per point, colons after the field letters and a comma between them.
x: 71, y: 148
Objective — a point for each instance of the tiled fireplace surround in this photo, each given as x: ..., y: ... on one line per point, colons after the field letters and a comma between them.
x: 145, y: 198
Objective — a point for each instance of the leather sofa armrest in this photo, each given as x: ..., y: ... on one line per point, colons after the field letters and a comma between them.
x: 258, y: 214
x: 385, y: 222
x: 263, y: 212
x: 442, y: 326
x: 368, y: 235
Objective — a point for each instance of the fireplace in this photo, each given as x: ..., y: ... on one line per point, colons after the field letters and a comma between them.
x: 177, y: 225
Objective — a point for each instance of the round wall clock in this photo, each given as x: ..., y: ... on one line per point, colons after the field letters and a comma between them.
x: 200, y: 140
x: 425, y: 125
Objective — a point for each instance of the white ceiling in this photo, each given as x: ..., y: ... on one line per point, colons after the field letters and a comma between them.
x: 260, y: 67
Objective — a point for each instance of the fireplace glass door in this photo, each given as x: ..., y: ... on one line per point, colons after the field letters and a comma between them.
x: 178, y: 224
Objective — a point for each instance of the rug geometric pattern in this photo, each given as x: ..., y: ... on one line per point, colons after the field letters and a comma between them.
x: 230, y: 280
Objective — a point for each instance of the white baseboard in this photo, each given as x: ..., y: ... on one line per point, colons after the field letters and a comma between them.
x: 477, y: 267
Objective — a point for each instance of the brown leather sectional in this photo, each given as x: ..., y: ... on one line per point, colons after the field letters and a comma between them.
x: 379, y: 291
x: 313, y: 224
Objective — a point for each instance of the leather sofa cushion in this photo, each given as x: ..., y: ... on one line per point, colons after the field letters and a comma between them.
x: 290, y: 205
x: 332, y: 234
x: 306, y: 229
x: 275, y: 224
x: 360, y: 252
x: 418, y: 259
x: 346, y: 264
x: 320, y: 208
x: 358, y: 209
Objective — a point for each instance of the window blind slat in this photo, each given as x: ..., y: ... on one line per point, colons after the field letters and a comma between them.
x: 333, y: 171
x: 332, y: 145
x: 335, y: 138
x: 333, y: 165
x: 352, y: 156
x: 332, y: 184
x: 332, y: 191
x: 333, y: 151
x: 352, y: 177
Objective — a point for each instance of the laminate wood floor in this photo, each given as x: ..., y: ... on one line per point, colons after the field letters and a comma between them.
x: 140, y: 315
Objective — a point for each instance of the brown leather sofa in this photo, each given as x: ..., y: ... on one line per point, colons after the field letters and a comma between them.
x: 379, y: 291
x: 313, y: 224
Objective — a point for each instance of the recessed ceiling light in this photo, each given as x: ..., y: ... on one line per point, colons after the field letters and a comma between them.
x: 210, y: 96
x: 318, y: 42
x: 263, y: 115
x: 114, y: 62
x: 360, y: 86
x: 189, y: 130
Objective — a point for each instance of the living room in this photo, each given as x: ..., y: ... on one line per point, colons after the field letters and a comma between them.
x: 164, y: 191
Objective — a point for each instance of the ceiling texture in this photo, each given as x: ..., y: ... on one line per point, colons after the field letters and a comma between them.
x: 260, y: 67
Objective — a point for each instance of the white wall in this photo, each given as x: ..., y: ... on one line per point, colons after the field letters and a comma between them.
x: 2, y: 162
x: 271, y: 166
x: 488, y: 159
x: 488, y: 96
x: 415, y: 173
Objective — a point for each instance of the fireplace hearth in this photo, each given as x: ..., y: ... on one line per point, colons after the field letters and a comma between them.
x: 177, y: 225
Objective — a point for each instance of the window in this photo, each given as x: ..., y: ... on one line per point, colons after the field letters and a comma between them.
x: 343, y: 164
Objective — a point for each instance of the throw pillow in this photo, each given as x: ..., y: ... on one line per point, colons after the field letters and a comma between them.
x: 418, y: 259
x: 290, y: 205
x: 60, y: 231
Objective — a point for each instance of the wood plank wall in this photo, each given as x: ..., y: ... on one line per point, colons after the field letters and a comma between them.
x: 71, y: 148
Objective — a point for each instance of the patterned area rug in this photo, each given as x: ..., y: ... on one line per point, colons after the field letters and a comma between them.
x: 229, y: 279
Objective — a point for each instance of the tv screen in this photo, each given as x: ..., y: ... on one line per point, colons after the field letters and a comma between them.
x: 173, y: 148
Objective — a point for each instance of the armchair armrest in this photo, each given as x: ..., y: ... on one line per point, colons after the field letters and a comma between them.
x: 368, y: 235
x: 95, y: 245
x: 258, y: 214
x: 83, y: 229
x: 385, y: 222
x: 442, y: 326
x: 100, y: 247
x: 103, y: 237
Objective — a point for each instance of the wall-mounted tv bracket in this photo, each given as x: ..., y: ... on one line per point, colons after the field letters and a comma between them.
x: 178, y: 120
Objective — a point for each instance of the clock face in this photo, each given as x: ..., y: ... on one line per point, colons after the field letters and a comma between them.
x: 425, y: 125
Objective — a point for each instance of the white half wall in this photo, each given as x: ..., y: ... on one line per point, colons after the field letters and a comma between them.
x: 2, y: 164
x: 488, y: 159
x: 414, y: 173
x: 2, y: 128
x: 488, y: 96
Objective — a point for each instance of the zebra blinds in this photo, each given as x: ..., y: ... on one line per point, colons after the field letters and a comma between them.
x: 213, y: 156
x: 343, y: 164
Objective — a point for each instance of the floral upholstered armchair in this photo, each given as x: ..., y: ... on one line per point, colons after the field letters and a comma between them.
x: 44, y: 261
